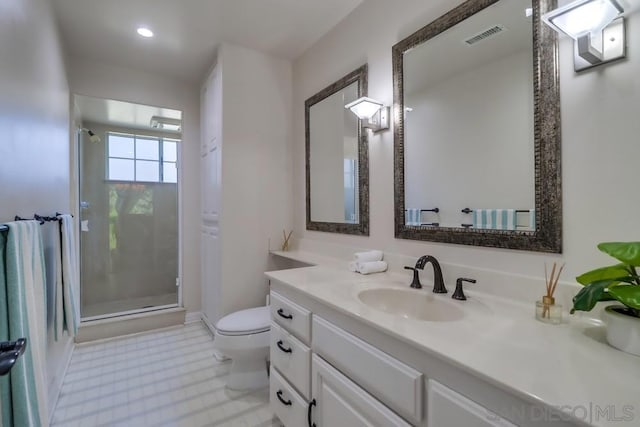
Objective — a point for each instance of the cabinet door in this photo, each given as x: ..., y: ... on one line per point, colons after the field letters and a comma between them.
x: 211, y: 185
x: 204, y: 113
x: 341, y: 402
x: 210, y: 273
x: 204, y: 178
x: 211, y: 129
x: 447, y: 408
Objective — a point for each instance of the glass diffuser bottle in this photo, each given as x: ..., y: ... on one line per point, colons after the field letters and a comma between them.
x: 548, y: 311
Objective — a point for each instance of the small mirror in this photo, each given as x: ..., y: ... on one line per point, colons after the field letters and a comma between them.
x: 477, y: 147
x: 337, y: 159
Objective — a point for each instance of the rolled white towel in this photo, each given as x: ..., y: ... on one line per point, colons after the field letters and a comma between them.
x: 372, y: 267
x: 368, y: 256
x: 353, y: 266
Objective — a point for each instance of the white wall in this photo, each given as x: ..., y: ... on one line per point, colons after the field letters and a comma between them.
x: 481, y: 119
x: 256, y: 170
x: 34, y: 142
x: 599, y: 148
x: 92, y: 78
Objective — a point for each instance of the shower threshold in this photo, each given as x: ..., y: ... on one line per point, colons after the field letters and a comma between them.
x: 106, y: 310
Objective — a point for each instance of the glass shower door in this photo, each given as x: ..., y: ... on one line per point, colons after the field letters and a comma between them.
x: 129, y: 222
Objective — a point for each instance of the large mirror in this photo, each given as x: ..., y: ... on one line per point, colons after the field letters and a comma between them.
x: 476, y: 137
x: 337, y: 159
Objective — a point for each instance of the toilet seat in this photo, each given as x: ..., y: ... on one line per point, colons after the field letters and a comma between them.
x: 245, y: 322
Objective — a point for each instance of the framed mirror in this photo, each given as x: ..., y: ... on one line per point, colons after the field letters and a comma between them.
x: 477, y: 128
x: 337, y: 159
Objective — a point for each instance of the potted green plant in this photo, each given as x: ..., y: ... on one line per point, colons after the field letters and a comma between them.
x: 615, y: 282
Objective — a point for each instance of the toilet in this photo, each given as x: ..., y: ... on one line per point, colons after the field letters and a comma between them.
x: 243, y: 337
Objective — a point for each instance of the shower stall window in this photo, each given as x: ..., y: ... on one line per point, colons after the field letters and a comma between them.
x: 141, y: 158
x: 130, y: 215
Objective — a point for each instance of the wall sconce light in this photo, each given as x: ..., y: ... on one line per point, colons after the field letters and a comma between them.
x: 92, y: 136
x: 374, y: 114
x: 596, y: 27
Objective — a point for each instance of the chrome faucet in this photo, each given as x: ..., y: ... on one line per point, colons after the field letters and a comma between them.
x: 438, y: 280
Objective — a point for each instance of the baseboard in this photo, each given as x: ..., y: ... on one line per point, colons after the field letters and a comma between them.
x: 126, y: 325
x: 209, y: 325
x: 193, y: 317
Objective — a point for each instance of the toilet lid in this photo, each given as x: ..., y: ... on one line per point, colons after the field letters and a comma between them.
x: 245, y: 322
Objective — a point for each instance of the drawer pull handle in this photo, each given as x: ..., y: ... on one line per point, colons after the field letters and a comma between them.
x: 311, y: 404
x: 281, y: 347
x: 284, y: 316
x: 284, y: 402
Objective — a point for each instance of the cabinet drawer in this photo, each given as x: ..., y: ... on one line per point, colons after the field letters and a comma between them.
x: 394, y: 383
x: 291, y: 316
x: 292, y: 358
x: 285, y: 402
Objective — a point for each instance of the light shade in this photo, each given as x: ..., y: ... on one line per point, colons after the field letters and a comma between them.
x: 597, y: 28
x: 582, y: 17
x: 145, y: 32
x: 364, y: 107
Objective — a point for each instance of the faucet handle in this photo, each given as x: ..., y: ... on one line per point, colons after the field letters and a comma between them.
x: 459, y: 292
x: 415, y: 283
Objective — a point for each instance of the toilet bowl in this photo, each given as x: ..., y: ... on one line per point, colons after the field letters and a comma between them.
x: 243, y: 337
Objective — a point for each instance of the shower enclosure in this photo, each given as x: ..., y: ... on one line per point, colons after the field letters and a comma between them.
x: 128, y: 161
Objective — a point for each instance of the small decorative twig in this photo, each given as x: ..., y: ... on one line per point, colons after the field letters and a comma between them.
x: 287, y: 238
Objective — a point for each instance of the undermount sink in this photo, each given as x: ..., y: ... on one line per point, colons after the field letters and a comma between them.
x: 410, y: 304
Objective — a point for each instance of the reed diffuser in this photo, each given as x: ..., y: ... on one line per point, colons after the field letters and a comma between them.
x: 547, y: 310
x: 285, y: 242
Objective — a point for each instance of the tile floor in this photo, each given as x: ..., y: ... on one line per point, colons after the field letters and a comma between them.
x: 164, y: 378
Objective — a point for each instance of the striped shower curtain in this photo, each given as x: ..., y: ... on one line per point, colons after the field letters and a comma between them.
x: 22, y: 314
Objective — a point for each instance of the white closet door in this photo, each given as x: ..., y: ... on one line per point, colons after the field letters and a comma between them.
x: 212, y: 184
x: 211, y: 156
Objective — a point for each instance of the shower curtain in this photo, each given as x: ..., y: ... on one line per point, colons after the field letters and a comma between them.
x: 22, y: 314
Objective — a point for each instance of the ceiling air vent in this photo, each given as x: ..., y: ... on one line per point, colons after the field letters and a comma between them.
x: 166, y: 123
x: 483, y: 35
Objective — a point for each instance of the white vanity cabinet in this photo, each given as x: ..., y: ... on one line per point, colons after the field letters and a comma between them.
x: 303, y: 383
x: 344, y: 371
x: 325, y: 376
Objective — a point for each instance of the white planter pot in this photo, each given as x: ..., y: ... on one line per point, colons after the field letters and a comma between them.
x: 623, y: 331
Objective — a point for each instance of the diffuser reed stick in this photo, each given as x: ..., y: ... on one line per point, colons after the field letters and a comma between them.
x: 551, y: 284
x: 285, y: 243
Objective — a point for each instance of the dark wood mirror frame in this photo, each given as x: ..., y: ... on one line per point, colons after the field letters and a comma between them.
x: 547, y: 236
x: 358, y: 76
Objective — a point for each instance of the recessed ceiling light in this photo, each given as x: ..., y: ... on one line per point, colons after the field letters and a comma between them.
x: 145, y: 32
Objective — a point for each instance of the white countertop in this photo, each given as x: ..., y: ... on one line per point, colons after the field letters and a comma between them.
x: 568, y: 366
